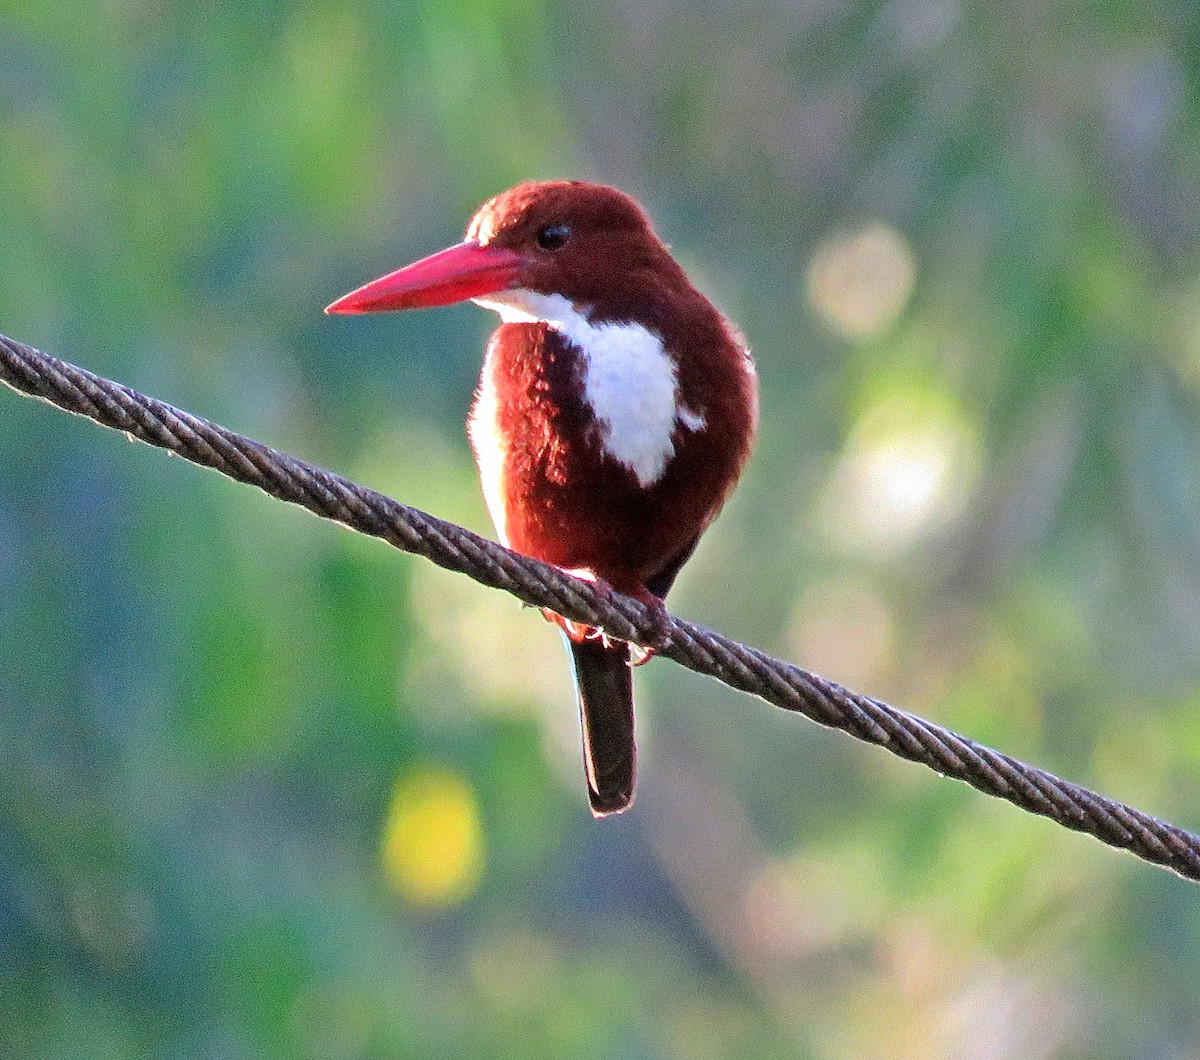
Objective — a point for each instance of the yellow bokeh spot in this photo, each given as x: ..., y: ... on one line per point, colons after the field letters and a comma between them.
x: 432, y: 840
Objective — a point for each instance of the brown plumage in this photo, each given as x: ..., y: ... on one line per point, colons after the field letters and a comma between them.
x: 616, y: 409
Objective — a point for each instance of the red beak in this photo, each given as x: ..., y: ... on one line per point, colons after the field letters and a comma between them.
x: 455, y: 274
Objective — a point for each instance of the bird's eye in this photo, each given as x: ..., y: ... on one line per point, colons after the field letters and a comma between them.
x: 553, y: 236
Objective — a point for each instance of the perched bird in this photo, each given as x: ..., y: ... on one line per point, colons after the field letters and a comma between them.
x: 614, y: 413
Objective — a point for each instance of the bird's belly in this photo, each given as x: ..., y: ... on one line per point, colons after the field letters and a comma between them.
x: 591, y: 523
x: 560, y: 499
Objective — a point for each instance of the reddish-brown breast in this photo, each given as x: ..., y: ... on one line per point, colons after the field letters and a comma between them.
x: 547, y: 464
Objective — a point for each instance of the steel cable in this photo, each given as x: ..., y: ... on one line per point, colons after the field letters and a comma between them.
x: 330, y: 496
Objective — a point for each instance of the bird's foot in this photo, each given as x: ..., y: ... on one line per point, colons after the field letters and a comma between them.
x: 578, y: 632
x: 660, y: 628
x: 640, y: 654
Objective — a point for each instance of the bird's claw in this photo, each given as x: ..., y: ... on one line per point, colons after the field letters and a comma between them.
x: 578, y: 632
x: 660, y: 629
x: 640, y: 654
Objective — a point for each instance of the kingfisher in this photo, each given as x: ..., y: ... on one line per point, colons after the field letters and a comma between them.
x: 615, y: 411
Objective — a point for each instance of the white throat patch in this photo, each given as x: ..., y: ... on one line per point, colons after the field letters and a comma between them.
x: 629, y: 379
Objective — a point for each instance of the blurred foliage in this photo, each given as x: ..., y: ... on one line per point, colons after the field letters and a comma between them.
x: 271, y: 790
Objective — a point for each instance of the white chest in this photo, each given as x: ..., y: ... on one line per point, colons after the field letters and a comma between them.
x: 491, y: 450
x: 630, y: 382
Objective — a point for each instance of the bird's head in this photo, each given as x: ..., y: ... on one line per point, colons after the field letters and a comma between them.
x: 588, y: 243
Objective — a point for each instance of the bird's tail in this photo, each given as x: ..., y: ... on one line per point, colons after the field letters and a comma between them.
x: 604, y: 685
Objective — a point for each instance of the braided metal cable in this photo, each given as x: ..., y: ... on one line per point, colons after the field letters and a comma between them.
x: 330, y: 496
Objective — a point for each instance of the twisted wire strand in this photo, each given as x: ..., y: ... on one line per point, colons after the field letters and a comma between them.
x: 330, y: 496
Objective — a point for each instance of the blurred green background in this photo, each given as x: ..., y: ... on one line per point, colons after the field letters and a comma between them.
x: 269, y: 789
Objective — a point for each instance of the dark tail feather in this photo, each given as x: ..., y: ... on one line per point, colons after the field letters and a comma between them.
x: 604, y: 685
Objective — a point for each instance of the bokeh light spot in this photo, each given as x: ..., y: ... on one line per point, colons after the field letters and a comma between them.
x: 907, y: 469
x: 433, y: 845
x: 843, y: 628
x: 859, y: 282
